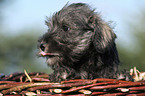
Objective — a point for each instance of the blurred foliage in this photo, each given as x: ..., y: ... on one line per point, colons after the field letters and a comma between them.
x: 19, y: 52
x: 134, y: 55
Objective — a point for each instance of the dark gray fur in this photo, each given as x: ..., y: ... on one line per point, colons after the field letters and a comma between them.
x: 84, y: 44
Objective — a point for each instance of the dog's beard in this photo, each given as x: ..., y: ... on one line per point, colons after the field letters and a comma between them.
x: 52, y: 60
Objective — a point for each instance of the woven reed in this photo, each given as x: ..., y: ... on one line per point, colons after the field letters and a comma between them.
x: 19, y: 84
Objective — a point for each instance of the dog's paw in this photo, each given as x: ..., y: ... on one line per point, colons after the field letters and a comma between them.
x: 124, y: 75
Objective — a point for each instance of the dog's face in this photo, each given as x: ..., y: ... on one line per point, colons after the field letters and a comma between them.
x: 71, y: 32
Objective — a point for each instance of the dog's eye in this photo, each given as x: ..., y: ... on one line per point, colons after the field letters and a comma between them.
x: 65, y: 28
x: 42, y: 47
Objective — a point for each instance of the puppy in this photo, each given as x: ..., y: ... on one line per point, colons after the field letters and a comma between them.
x: 80, y: 45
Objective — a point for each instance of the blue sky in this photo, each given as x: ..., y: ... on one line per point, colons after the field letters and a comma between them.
x: 22, y: 14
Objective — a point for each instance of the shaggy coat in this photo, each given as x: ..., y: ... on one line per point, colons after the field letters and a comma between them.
x: 79, y: 45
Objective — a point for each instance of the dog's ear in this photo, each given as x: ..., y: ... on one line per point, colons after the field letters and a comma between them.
x: 103, y: 36
x: 103, y: 40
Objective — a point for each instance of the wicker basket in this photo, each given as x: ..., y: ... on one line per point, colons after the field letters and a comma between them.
x: 20, y: 84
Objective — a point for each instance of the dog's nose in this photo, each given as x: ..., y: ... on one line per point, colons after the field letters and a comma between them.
x: 42, y: 47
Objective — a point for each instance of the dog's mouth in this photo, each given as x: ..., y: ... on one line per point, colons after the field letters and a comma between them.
x: 49, y: 54
x: 51, y: 58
